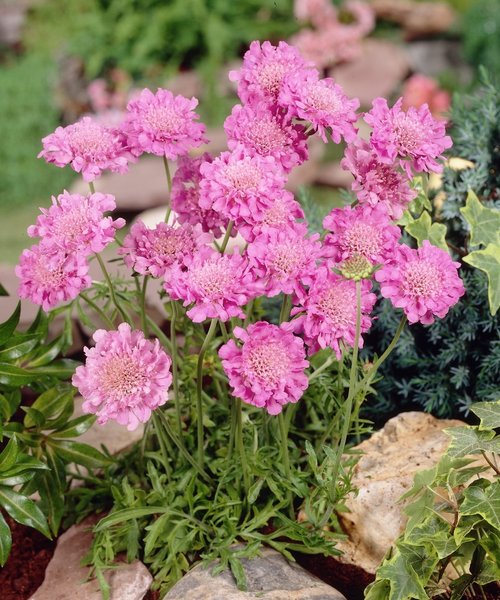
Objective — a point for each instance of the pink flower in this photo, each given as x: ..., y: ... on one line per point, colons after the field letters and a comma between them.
x: 185, y: 198
x: 163, y: 124
x: 50, y: 277
x: 88, y: 146
x: 154, y: 251
x: 422, y: 282
x: 240, y: 186
x: 413, y: 137
x: 327, y: 316
x: 376, y: 182
x: 264, y: 69
x: 331, y: 44
x: 125, y: 377
x: 76, y: 223
x: 419, y: 89
x: 318, y: 12
x: 364, y: 17
x: 268, y: 369
x: 321, y: 102
x: 218, y: 285
x: 264, y: 131
x: 360, y: 231
x: 285, y: 259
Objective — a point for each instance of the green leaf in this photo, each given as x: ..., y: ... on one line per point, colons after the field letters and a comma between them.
x: 469, y: 440
x: 62, y: 369
x: 5, y: 412
x: 422, y: 201
x: 488, y: 260
x: 12, y: 376
x: 18, y: 346
x: 8, y: 327
x: 465, y: 525
x: 254, y: 491
x: 405, y: 583
x: 52, y: 402
x: 378, y: 590
x: 47, y: 353
x: 424, y: 229
x: 81, y: 454
x: 484, y: 502
x: 488, y: 412
x: 238, y: 573
x: 51, y: 499
x: 484, y: 222
x: 129, y: 513
x: 75, y: 427
x: 3, y: 291
x: 460, y: 585
x: 9, y: 454
x: 23, y: 510
x: 5, y: 541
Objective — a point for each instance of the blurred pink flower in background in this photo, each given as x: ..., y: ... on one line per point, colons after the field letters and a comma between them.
x: 419, y: 89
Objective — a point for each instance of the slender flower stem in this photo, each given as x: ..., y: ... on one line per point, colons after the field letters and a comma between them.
x: 249, y: 312
x: 234, y: 425
x: 169, y: 183
x: 225, y: 334
x: 199, y: 386
x: 119, y: 307
x: 98, y: 310
x: 164, y: 445
x: 329, y: 361
x: 225, y: 241
x: 92, y: 187
x: 159, y: 334
x: 285, y: 458
x: 175, y: 373
x: 285, y: 308
x: 241, y: 445
x: 144, y: 321
x: 340, y: 394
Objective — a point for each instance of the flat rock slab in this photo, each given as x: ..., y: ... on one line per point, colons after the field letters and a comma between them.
x: 269, y: 577
x: 66, y: 578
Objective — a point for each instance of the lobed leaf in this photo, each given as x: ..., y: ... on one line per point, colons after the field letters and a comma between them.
x: 484, y: 222
x: 488, y: 260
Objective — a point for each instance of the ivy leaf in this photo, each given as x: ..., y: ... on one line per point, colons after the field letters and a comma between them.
x: 484, y: 502
x: 5, y: 541
x: 469, y: 440
x: 489, y: 413
x: 484, y: 222
x: 378, y: 590
x: 488, y: 260
x: 404, y: 581
x: 424, y: 229
x: 465, y: 525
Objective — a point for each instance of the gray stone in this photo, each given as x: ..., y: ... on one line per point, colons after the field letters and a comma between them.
x: 12, y: 19
x: 433, y: 57
x: 66, y: 578
x: 269, y: 577
x: 187, y: 83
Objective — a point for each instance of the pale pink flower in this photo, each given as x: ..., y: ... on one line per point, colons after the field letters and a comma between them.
x: 50, y: 277
x: 185, y: 197
x: 423, y: 282
x: 218, y: 285
x: 163, y: 124
x: 360, y: 231
x: 364, y: 17
x: 413, y: 137
x: 76, y: 223
x: 321, y: 102
x: 331, y: 44
x: 88, y: 147
x: 327, y: 316
x: 155, y: 251
x: 419, y: 89
x: 125, y: 377
x: 376, y: 182
x: 318, y: 12
x: 267, y: 370
x: 237, y: 185
x: 265, y: 131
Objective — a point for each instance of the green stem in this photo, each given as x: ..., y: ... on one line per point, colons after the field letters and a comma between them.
x: 329, y: 361
x: 234, y: 425
x: 175, y: 374
x: 98, y: 310
x: 340, y: 394
x: 159, y: 334
x: 144, y: 321
x: 225, y: 334
x: 286, y: 459
x: 120, y: 309
x: 285, y: 308
x: 249, y: 310
x: 223, y: 246
x: 169, y: 183
x: 92, y: 187
x: 241, y: 445
x: 164, y: 445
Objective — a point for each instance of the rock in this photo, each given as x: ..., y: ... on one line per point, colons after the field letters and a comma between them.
x: 433, y: 57
x: 12, y: 19
x: 187, y: 83
x: 66, y: 578
x: 269, y: 577
x: 408, y: 443
x: 378, y: 71
x: 333, y: 175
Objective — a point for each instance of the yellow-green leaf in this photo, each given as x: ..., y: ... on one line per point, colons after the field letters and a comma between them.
x: 488, y: 260
x: 484, y: 502
x: 424, y: 229
x: 484, y: 222
x: 489, y: 413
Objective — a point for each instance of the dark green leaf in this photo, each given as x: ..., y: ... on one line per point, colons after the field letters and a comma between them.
x: 12, y: 376
x: 52, y: 402
x: 8, y: 327
x: 129, y: 513
x: 24, y: 463
x: 458, y: 586
x: 40, y: 324
x: 75, y: 427
x: 5, y: 541
x: 405, y: 583
x: 51, y: 499
x: 47, y: 353
x: 62, y: 369
x: 18, y: 346
x: 81, y: 454
x: 5, y: 412
x: 3, y: 291
x: 33, y: 416
x: 23, y: 510
x: 9, y: 454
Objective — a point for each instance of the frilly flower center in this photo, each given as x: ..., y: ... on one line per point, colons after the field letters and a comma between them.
x: 362, y: 239
x: 339, y: 306
x: 422, y: 278
x: 322, y: 98
x: 91, y: 141
x: 408, y: 134
x: 276, y: 215
x: 48, y: 276
x: 266, y: 135
x: 287, y: 258
x: 243, y: 175
x: 163, y: 121
x: 121, y: 377
x: 213, y: 278
x: 71, y: 224
x: 270, y: 77
x: 269, y: 362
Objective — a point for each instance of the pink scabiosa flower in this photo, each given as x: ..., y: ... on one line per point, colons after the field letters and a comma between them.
x: 321, y: 102
x: 360, y: 231
x: 155, y: 251
x: 267, y: 370
x: 264, y: 70
x: 265, y: 131
x: 162, y: 124
x: 237, y: 185
x: 318, y: 12
x: 76, y: 223
x: 285, y: 259
x: 376, y: 182
x: 423, y: 282
x: 50, y: 277
x: 88, y: 147
x: 413, y: 137
x: 185, y: 197
x: 327, y: 316
x: 125, y: 377
x: 218, y: 285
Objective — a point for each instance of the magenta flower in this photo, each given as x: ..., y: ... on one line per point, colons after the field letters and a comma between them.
x: 268, y: 369
x: 50, y: 277
x: 264, y: 70
x: 76, y: 223
x: 321, y: 102
x: 360, y: 231
x: 414, y: 137
x: 185, y: 197
x: 163, y: 124
x: 88, y: 147
x: 265, y: 131
x: 125, y: 377
x: 376, y: 182
x: 155, y: 251
x: 423, y: 282
x: 240, y: 186
x: 327, y: 316
x: 218, y: 285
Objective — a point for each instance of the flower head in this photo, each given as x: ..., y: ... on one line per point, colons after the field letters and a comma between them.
x: 163, y: 124
x: 423, y: 282
x: 88, y: 147
x: 125, y: 377
x: 76, y: 223
x: 50, y: 277
x: 268, y: 369
x: 413, y: 137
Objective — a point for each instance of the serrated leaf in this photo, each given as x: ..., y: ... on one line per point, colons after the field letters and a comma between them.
x: 488, y: 260
x: 23, y: 510
x: 404, y: 582
x: 424, y: 229
x: 8, y: 327
x: 5, y: 541
x: 469, y: 440
x: 484, y: 222
x: 484, y: 502
x: 488, y: 412
x: 81, y: 454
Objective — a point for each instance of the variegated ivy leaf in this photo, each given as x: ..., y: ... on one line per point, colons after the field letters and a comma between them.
x: 484, y: 222
x: 424, y: 229
x: 469, y: 440
x: 488, y: 412
x: 488, y: 260
x: 484, y: 502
